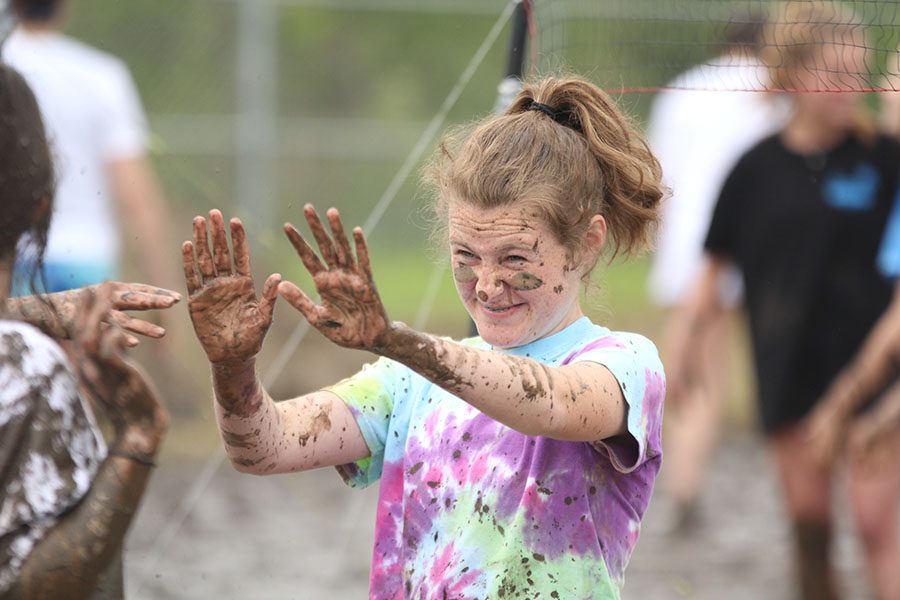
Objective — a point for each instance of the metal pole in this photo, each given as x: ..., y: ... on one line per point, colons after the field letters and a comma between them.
x: 256, y: 80
x: 515, y: 59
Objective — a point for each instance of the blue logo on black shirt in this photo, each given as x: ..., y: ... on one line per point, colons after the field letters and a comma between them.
x: 854, y: 191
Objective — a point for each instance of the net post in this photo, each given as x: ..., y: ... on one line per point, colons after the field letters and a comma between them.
x: 515, y: 58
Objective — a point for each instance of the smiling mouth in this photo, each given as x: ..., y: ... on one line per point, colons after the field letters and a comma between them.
x: 497, y: 310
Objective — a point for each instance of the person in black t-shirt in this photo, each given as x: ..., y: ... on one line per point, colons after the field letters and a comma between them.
x: 805, y: 216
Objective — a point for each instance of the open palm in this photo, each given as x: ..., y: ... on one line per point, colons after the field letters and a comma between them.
x: 350, y: 312
x: 229, y: 320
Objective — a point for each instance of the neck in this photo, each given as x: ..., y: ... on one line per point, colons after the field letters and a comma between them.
x: 806, y: 134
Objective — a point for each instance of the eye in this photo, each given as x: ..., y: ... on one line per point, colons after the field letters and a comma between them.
x: 465, y: 254
x: 515, y: 258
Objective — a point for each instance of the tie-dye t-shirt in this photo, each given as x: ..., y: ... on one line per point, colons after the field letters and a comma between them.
x: 469, y: 508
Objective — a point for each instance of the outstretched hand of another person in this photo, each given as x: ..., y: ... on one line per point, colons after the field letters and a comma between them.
x: 350, y: 312
x: 229, y: 320
x: 118, y: 386
x: 57, y: 314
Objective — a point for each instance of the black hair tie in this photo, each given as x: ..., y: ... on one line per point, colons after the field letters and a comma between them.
x: 565, y: 118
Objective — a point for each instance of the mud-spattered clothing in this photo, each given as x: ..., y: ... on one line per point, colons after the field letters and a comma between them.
x: 50, y: 446
x: 469, y: 508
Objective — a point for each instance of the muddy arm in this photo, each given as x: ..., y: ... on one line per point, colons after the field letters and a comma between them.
x: 579, y: 402
x: 264, y: 437
x: 69, y: 561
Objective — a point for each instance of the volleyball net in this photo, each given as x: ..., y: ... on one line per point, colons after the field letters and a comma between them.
x: 644, y: 45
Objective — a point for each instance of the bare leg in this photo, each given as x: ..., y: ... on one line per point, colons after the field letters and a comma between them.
x: 807, y: 493
x: 875, y: 490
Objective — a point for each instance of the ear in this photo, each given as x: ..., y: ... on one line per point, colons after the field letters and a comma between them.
x: 41, y: 210
x: 594, y: 239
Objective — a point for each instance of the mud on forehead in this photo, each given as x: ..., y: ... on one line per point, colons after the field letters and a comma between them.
x: 472, y: 221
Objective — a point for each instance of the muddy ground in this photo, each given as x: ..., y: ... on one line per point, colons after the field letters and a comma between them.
x: 308, y: 537
x: 208, y: 532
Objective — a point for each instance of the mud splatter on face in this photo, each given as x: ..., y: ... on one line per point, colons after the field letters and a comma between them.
x: 514, y: 261
x: 524, y: 282
x: 463, y: 273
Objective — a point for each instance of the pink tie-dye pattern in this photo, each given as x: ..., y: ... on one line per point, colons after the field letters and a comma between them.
x: 387, y: 567
x: 654, y: 394
x: 604, y: 342
x: 445, y: 579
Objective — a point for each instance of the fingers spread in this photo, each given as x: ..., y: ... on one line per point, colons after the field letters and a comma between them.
x: 221, y: 255
x: 362, y: 253
x: 138, y: 326
x: 191, y: 277
x: 326, y: 247
x: 241, y: 248
x: 299, y: 300
x: 201, y: 244
x: 164, y: 298
x: 307, y: 254
x: 344, y: 255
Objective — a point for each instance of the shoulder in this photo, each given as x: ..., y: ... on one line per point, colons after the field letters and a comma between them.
x: 767, y: 154
x: 28, y: 349
x: 34, y: 373
x: 104, y: 73
x: 90, y: 57
x: 597, y: 340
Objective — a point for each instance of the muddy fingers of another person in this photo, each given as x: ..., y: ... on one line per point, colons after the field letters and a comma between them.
x: 119, y: 387
x: 229, y: 320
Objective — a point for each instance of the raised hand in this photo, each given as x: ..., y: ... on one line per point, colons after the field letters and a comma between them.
x: 228, y: 319
x: 118, y: 386
x: 350, y: 312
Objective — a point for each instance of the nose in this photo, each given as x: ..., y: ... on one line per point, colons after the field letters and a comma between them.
x: 488, y: 285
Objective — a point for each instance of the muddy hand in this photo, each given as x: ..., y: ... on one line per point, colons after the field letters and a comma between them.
x: 228, y: 319
x: 118, y: 386
x: 350, y: 312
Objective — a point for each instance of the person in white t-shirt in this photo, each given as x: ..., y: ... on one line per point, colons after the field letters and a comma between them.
x: 705, y: 120
x: 98, y: 135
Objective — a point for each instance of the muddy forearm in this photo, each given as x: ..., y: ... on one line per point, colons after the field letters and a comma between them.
x: 519, y: 392
x: 70, y: 560
x: 264, y: 437
x: 243, y: 411
x: 35, y: 311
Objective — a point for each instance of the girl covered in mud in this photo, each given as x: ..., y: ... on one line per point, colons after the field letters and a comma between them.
x: 518, y: 463
x: 67, y: 499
